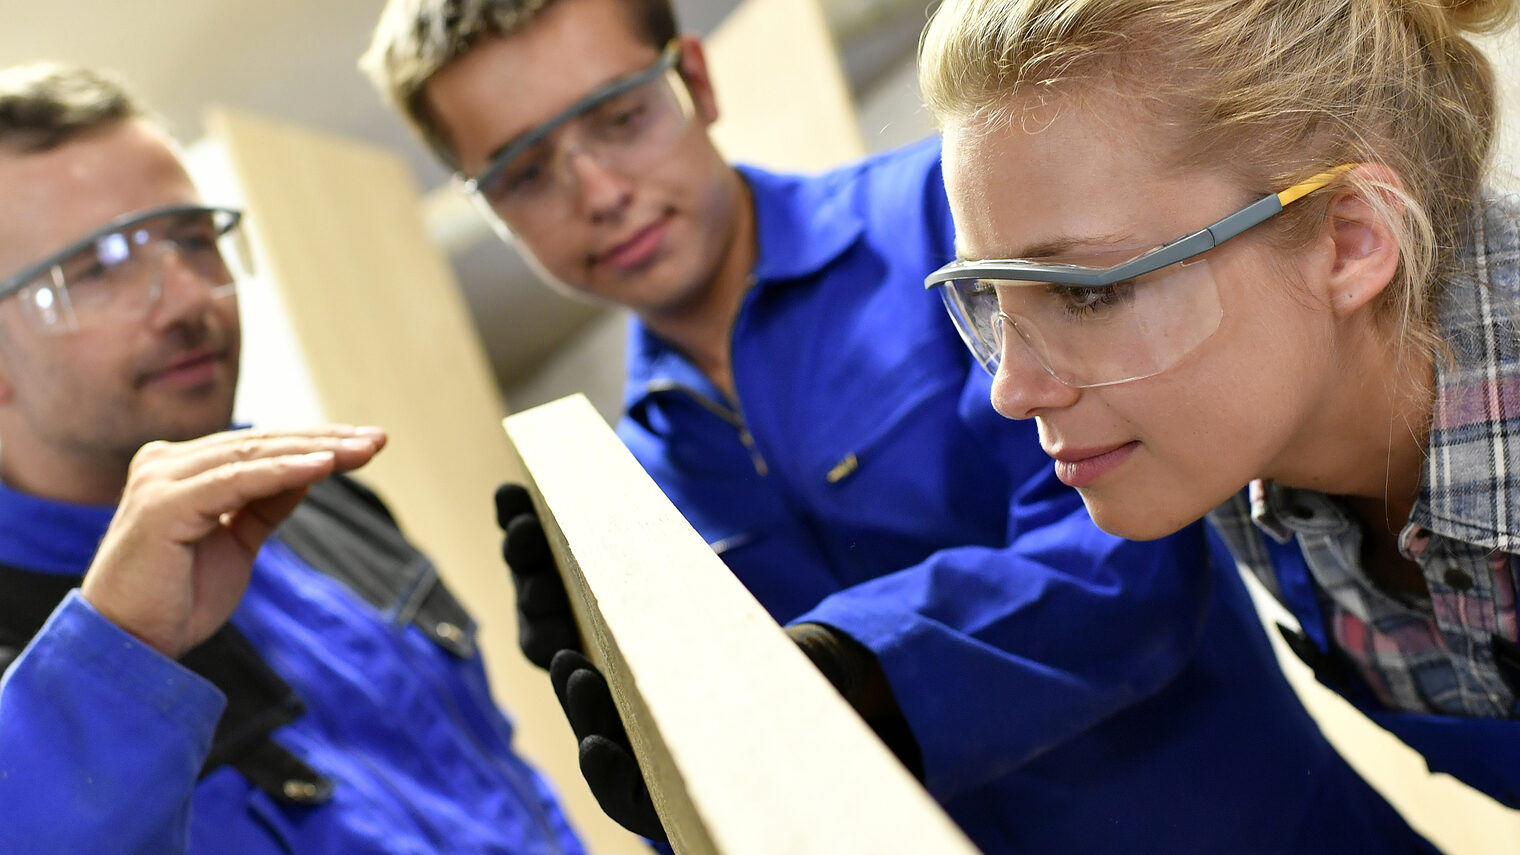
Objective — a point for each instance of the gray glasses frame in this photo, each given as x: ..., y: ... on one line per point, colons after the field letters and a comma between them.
x: 29, y: 274
x: 1180, y: 249
x: 669, y: 56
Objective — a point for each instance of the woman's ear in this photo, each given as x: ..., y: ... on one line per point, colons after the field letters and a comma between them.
x: 1364, y: 250
x: 693, y: 68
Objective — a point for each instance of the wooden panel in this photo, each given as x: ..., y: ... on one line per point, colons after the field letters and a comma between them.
x: 386, y: 339
x: 748, y: 748
x: 783, y: 101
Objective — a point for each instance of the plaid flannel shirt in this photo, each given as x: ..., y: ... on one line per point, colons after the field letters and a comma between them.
x: 1434, y: 655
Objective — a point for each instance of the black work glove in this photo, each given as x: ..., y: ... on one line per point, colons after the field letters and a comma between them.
x: 606, y: 755
x: 545, y: 621
x: 856, y: 674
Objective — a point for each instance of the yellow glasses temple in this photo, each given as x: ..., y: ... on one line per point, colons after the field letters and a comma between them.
x: 1307, y: 186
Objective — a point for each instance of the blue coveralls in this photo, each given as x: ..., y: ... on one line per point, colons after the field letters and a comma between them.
x: 102, y: 738
x: 1071, y: 693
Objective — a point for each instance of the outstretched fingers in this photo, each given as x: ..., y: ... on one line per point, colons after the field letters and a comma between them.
x: 350, y: 446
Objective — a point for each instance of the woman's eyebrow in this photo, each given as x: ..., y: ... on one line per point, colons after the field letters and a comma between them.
x: 1060, y: 245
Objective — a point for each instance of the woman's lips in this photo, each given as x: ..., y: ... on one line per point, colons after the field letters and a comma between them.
x: 638, y: 250
x: 1083, y: 467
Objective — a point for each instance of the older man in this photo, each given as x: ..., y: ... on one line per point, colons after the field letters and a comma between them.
x: 183, y: 677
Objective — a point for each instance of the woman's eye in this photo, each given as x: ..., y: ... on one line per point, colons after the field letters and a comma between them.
x: 1084, y: 303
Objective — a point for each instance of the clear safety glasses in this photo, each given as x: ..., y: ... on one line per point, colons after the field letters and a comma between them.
x: 1097, y: 325
x: 626, y: 126
x: 115, y: 274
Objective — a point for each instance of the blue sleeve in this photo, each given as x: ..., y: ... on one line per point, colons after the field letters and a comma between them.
x: 101, y: 741
x: 1025, y: 647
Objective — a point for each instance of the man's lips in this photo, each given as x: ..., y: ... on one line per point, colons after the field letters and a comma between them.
x: 1081, y: 467
x: 637, y: 249
x: 188, y: 369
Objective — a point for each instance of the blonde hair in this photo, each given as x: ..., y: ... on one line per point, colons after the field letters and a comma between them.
x: 1271, y: 90
x: 416, y: 38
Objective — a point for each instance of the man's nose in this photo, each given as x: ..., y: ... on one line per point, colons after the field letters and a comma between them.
x: 182, y: 291
x: 602, y: 190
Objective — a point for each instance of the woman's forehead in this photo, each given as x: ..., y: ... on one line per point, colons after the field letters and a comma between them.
x: 1070, y: 183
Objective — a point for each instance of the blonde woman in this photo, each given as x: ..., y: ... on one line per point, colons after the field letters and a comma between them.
x: 1237, y: 259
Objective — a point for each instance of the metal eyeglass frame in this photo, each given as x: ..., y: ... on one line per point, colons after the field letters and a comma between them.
x: 29, y: 274
x: 669, y: 57
x: 1180, y: 249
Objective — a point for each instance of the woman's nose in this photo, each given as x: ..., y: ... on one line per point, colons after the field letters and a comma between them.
x: 1023, y: 388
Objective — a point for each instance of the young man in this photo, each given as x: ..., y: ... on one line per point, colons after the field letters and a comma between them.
x: 806, y: 405
x: 208, y: 687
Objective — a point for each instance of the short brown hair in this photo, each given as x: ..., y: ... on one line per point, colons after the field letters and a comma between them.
x: 43, y: 105
x: 416, y: 38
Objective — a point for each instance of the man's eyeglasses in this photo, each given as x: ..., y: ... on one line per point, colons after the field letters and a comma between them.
x: 1097, y: 325
x: 626, y: 126
x: 115, y: 273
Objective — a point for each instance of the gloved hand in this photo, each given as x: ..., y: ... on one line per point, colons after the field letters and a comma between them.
x: 606, y: 755
x: 856, y: 674
x: 545, y: 621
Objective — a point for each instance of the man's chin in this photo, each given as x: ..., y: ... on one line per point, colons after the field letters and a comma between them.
x: 190, y: 426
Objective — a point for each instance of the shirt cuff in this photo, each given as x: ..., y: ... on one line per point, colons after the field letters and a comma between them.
x: 76, y: 636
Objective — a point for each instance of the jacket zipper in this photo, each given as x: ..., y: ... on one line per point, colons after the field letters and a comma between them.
x: 734, y: 416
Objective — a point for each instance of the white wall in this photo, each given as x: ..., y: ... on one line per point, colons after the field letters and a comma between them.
x: 1504, y: 50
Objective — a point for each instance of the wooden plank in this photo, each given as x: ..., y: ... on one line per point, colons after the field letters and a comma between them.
x: 747, y: 747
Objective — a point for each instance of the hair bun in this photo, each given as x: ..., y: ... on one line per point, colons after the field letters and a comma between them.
x: 1479, y: 16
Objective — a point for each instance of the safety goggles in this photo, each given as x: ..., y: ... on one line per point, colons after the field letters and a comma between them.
x: 115, y: 274
x: 1097, y: 325
x: 625, y: 126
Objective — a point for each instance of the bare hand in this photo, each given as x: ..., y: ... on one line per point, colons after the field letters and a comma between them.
x: 177, y: 556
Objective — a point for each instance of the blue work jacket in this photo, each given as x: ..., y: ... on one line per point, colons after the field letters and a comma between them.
x: 1070, y: 692
x: 103, y: 741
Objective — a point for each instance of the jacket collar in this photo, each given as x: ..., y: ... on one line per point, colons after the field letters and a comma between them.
x: 801, y: 223
x: 49, y: 536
